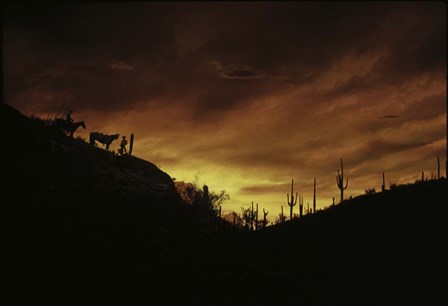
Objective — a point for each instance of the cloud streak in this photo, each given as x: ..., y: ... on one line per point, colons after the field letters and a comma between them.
x: 121, y: 66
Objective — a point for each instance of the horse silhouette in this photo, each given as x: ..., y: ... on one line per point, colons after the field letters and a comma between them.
x: 67, y: 126
x: 102, y: 138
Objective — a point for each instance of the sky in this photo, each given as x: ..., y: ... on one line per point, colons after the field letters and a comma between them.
x: 242, y: 96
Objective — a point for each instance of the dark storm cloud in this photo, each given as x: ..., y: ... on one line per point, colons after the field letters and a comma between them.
x: 378, y: 148
x: 265, y: 188
x: 70, y: 51
x: 121, y: 66
x: 263, y: 91
x: 388, y: 117
x: 69, y: 47
x: 242, y: 72
x: 429, y: 107
x: 419, y: 111
x: 408, y: 39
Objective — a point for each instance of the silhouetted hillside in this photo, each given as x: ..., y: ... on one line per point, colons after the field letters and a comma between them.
x: 421, y: 203
x: 68, y: 204
x: 86, y: 226
x: 46, y: 170
x: 386, y: 248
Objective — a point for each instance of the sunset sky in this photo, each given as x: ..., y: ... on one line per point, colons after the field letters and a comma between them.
x: 246, y: 96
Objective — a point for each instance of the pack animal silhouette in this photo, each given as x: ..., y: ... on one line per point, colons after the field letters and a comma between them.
x: 102, y: 138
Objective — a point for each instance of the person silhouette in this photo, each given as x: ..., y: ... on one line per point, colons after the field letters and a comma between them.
x: 68, y: 117
x: 123, y: 144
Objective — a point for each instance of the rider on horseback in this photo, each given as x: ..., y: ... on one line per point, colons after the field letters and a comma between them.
x: 68, y: 125
x: 68, y: 117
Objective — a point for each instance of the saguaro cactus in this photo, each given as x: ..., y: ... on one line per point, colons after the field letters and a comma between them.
x: 314, y: 197
x: 340, y: 181
x: 438, y: 168
x: 256, y: 219
x: 301, y: 206
x: 293, y: 201
x: 220, y: 221
x: 131, y: 144
x: 383, y: 187
x: 205, y: 196
x: 282, y: 216
x: 265, y: 221
x: 252, y: 217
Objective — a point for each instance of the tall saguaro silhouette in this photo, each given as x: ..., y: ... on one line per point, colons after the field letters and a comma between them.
x: 314, y: 197
x: 252, y: 217
x: 293, y: 201
x: 256, y: 219
x: 131, y: 144
x: 340, y: 181
x: 265, y: 221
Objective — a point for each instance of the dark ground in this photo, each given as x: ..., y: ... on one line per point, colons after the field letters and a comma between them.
x: 83, y: 226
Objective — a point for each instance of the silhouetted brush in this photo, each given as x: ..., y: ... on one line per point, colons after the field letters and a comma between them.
x: 293, y: 201
x: 282, y: 216
x: 340, y: 181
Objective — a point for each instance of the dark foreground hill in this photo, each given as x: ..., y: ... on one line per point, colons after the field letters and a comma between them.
x: 382, y: 249
x: 46, y: 168
x: 83, y: 226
